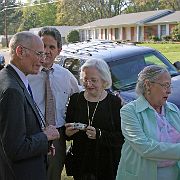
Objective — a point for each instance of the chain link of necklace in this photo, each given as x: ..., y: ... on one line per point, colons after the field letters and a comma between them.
x: 90, y: 121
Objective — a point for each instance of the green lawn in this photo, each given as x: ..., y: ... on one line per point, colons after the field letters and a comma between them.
x: 171, y: 51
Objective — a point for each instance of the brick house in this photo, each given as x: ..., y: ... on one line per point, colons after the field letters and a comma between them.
x: 133, y: 27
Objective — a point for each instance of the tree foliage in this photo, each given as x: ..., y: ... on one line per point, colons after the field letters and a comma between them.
x: 79, y: 12
x: 12, y: 16
x: 38, y: 16
x: 152, y: 5
x: 172, y: 4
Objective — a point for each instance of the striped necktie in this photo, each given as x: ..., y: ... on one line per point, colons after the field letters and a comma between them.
x: 30, y: 91
x: 49, y: 100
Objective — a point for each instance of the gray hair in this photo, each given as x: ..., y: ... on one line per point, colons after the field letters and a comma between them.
x: 103, y: 69
x: 20, y: 38
x: 150, y: 73
x: 51, y: 31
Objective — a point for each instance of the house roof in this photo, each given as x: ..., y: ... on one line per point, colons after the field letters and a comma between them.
x: 127, y: 19
x: 64, y: 30
x: 174, y: 17
x: 96, y: 23
x: 135, y: 18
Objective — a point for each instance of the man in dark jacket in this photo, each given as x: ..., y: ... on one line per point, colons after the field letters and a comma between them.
x: 24, y: 137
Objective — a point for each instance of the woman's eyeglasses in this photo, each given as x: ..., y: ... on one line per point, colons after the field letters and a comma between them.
x: 164, y: 85
x: 93, y: 81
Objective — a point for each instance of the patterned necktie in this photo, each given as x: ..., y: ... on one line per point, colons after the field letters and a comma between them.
x: 49, y: 101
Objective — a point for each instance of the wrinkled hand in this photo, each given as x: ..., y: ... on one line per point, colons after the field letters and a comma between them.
x: 91, y: 132
x: 51, y: 133
x: 70, y: 129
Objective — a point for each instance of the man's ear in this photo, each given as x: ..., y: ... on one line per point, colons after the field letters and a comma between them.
x: 19, y: 51
x: 59, y: 50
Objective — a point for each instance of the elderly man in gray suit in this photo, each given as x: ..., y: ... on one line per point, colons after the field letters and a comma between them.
x: 24, y: 138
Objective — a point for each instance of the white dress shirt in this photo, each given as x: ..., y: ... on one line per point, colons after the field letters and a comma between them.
x: 22, y: 76
x: 63, y: 85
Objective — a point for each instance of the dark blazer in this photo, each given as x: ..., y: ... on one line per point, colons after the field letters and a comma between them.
x: 23, y: 146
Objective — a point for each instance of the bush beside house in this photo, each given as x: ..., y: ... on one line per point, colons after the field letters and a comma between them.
x: 73, y: 36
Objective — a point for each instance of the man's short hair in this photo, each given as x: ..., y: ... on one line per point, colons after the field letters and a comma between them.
x: 51, y: 31
x: 21, y: 38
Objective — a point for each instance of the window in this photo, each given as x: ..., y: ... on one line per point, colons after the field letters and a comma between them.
x: 162, y: 30
x: 125, y: 71
x: 151, y: 59
x: 116, y: 33
x: 96, y: 33
x: 160, y: 60
x: 82, y: 32
x: 106, y: 37
x: 89, y: 34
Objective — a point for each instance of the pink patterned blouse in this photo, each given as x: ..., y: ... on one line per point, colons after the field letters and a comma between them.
x: 166, y: 133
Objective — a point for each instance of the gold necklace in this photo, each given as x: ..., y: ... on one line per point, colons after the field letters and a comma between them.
x: 90, y: 121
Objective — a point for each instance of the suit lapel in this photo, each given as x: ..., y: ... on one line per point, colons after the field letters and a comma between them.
x: 31, y: 102
x: 27, y: 95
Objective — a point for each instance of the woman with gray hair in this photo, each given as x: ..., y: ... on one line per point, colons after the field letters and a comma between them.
x: 151, y: 127
x: 97, y: 144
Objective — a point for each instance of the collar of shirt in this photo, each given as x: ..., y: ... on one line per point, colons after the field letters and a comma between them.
x: 142, y: 104
x: 51, y: 68
x: 21, y: 75
x: 162, y: 112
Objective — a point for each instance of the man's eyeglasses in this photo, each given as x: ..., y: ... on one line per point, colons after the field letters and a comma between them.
x: 41, y: 55
x: 164, y: 85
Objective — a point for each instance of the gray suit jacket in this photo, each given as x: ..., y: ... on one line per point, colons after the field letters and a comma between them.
x: 24, y: 146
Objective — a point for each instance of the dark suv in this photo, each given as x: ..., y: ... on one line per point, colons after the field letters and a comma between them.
x: 125, y: 62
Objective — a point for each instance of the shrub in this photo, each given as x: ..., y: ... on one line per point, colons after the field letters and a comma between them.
x: 73, y: 36
x: 176, y: 33
x: 154, y: 38
x: 166, y: 38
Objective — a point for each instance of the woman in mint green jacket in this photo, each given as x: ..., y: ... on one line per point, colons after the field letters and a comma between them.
x: 151, y: 127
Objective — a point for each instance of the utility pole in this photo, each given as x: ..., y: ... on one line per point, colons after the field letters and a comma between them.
x: 5, y: 23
